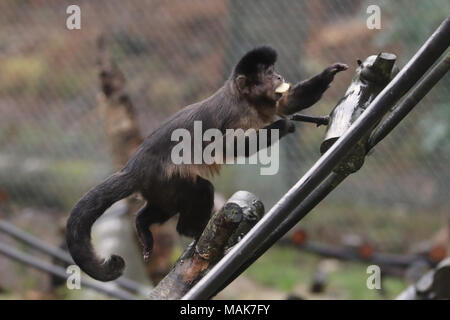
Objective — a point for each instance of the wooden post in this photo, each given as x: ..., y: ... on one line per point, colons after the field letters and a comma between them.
x: 226, y: 227
x: 122, y: 129
x: 435, y: 284
x: 370, y: 78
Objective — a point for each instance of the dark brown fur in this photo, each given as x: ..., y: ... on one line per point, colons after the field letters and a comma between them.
x: 246, y: 100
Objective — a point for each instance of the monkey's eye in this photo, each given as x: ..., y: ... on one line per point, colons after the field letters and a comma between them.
x: 269, y: 71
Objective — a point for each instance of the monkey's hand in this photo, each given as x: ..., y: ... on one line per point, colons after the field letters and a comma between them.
x: 306, y: 93
x: 329, y: 73
x: 285, y: 126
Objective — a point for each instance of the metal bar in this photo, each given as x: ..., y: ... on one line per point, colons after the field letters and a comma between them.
x: 404, y: 80
x: 404, y: 107
x: 410, y: 101
x: 34, y: 242
x: 328, y: 185
x: 352, y: 254
x: 58, y: 253
x: 61, y: 273
x: 332, y: 181
x: 321, y: 120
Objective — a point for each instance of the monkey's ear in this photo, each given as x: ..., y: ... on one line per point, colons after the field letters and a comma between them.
x: 241, y: 84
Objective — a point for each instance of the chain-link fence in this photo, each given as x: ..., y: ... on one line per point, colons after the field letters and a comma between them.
x: 53, y: 146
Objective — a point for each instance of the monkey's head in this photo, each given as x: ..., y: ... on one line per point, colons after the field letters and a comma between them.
x: 255, y: 78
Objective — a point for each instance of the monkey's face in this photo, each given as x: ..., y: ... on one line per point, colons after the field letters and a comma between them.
x: 264, y: 86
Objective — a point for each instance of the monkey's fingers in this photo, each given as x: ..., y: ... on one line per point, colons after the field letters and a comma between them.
x: 338, y: 67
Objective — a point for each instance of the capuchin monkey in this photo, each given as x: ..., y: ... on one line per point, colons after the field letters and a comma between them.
x: 251, y: 98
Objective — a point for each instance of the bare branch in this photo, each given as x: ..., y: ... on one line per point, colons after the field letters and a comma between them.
x: 238, y: 215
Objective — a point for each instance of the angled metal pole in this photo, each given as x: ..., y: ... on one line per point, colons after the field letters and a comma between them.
x: 333, y: 180
x: 58, y: 253
x: 352, y: 254
x: 411, y: 100
x: 404, y: 80
x: 34, y: 242
x: 61, y: 273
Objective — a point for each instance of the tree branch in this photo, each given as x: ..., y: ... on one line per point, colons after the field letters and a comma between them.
x: 122, y: 129
x: 433, y: 285
x: 225, y: 228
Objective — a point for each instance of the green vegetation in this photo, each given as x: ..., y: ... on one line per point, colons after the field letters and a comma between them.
x: 21, y: 74
x: 287, y: 268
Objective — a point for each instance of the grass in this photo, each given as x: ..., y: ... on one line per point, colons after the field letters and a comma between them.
x: 285, y: 269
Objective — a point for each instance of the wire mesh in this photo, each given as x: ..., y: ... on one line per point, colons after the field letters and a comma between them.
x: 53, y: 147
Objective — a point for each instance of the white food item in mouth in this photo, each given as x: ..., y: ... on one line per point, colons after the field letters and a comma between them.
x: 282, y: 88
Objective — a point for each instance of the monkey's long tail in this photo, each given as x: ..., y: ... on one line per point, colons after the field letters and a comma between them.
x: 78, y: 233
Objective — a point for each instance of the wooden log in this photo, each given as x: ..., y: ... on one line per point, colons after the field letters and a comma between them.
x: 370, y: 78
x: 121, y: 125
x: 435, y: 284
x: 225, y: 228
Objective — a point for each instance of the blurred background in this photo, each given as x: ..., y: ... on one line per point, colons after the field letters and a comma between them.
x: 54, y: 145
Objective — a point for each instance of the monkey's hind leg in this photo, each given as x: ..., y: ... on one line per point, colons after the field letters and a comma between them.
x: 196, y: 211
x: 145, y: 217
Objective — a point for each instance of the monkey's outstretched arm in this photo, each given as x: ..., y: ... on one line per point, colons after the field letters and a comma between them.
x: 306, y: 93
x: 253, y: 144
